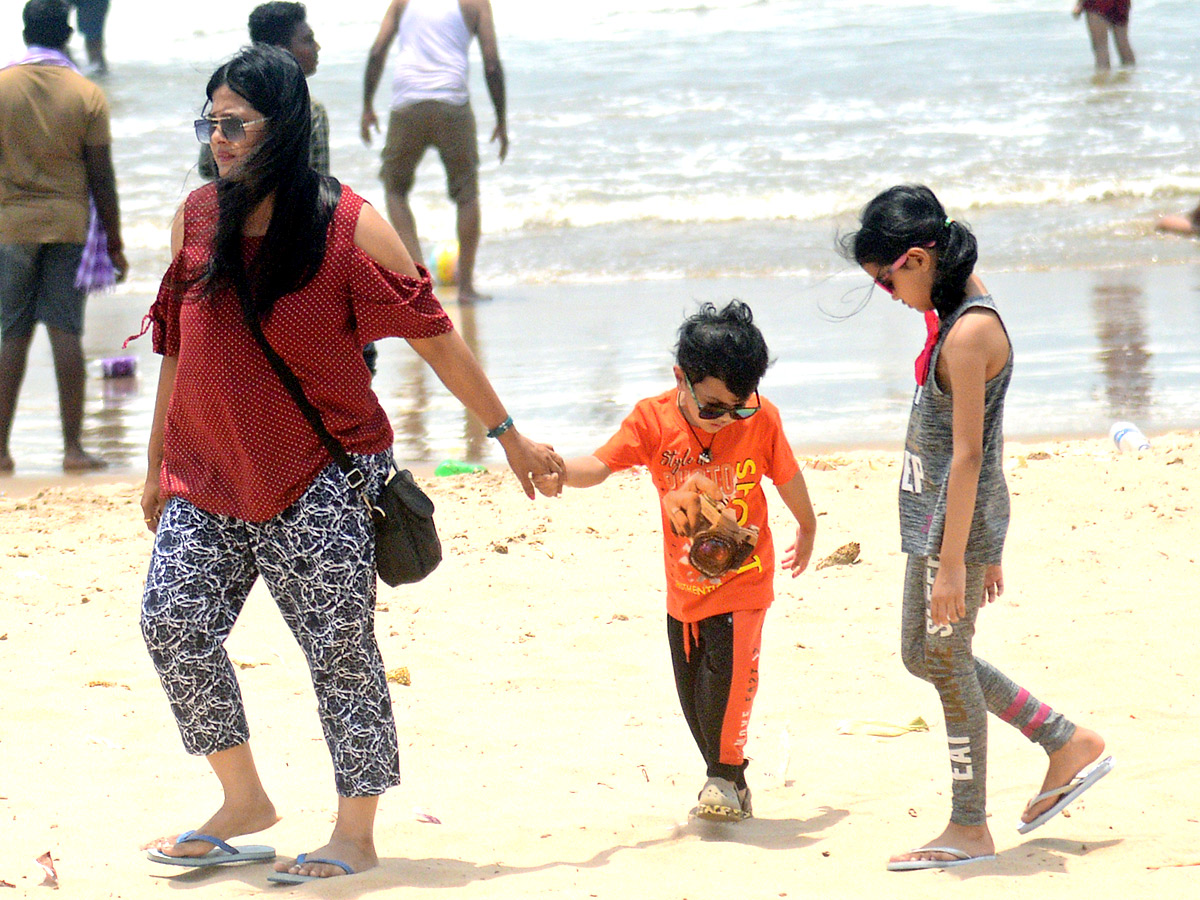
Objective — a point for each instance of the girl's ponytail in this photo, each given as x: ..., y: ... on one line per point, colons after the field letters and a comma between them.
x: 957, y: 253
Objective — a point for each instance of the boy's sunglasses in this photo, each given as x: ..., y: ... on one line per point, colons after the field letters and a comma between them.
x: 232, y: 127
x: 715, y: 412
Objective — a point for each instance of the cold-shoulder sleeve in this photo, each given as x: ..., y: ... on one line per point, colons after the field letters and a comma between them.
x: 384, y: 303
x: 164, y: 314
x: 199, y: 214
x: 389, y: 304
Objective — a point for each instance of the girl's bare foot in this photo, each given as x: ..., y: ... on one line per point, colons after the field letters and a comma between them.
x: 974, y: 840
x: 228, y: 822
x: 1083, y: 749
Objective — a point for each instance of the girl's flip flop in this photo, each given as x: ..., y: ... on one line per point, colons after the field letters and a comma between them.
x: 1068, y: 792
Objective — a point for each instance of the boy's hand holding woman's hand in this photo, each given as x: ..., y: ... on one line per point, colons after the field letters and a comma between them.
x: 550, y: 484
x: 533, y: 463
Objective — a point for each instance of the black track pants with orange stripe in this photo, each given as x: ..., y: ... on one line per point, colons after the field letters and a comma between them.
x: 716, y: 675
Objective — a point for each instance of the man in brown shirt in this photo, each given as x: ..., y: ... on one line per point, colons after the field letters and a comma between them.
x: 55, y: 153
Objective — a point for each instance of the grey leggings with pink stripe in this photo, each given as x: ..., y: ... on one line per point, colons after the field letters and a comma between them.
x: 969, y: 688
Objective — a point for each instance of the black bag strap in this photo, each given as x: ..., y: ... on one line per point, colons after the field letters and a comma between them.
x: 330, y: 192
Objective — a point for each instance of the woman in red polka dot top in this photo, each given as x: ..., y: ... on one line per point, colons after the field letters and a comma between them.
x: 239, y: 484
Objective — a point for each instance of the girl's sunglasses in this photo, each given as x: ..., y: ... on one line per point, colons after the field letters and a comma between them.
x: 884, y: 278
x: 707, y: 411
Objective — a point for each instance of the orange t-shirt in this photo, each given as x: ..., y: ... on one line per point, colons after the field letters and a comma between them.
x: 656, y: 435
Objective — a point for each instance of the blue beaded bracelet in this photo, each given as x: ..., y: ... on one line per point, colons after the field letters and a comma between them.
x: 501, y: 428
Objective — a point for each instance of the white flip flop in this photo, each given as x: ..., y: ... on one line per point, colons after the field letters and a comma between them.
x: 961, y: 858
x: 1068, y: 792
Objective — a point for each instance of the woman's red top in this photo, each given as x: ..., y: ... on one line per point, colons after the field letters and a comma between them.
x: 235, y: 442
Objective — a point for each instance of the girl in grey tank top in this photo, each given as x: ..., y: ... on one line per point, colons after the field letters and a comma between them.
x: 954, y: 512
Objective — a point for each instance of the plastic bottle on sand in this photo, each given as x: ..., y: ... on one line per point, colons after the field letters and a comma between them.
x: 1128, y: 437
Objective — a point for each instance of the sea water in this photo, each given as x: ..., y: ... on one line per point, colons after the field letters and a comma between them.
x: 668, y: 152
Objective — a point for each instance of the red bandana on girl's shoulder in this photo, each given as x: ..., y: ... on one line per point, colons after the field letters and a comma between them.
x: 931, y: 336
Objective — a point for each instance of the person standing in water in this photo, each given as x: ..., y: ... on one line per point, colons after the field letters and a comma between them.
x: 1103, y: 16
x: 431, y: 108
x: 60, y: 223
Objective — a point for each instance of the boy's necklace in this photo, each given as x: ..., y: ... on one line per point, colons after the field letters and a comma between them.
x: 705, y: 452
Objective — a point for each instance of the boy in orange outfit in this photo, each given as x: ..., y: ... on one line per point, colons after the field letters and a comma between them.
x: 713, y: 435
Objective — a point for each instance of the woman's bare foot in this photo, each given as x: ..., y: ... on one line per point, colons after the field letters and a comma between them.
x: 352, y: 841
x: 1083, y: 749
x: 357, y: 855
x: 80, y: 461
x: 228, y: 822
x: 974, y: 840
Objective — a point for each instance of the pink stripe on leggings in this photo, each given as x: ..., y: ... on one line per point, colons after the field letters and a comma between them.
x: 1015, y: 707
x: 1038, y: 718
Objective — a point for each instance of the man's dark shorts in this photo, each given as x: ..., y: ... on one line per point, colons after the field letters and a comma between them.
x: 90, y: 15
x: 451, y: 129
x: 37, y: 284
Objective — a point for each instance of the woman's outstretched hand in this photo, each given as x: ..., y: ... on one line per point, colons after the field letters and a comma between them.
x: 528, y: 459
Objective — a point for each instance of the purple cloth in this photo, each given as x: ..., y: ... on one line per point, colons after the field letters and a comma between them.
x: 95, y: 270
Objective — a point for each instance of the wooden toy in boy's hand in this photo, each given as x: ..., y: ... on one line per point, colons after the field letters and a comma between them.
x: 724, y: 544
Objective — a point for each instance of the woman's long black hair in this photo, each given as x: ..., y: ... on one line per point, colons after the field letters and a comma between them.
x: 907, y: 216
x: 271, y: 81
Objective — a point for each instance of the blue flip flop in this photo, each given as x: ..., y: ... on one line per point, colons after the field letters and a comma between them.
x: 1068, y: 793
x: 221, y: 854
x: 289, y: 878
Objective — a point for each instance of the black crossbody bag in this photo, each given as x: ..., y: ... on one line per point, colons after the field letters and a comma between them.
x: 406, y: 542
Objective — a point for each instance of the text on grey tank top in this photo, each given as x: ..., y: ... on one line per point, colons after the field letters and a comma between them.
x: 929, y: 448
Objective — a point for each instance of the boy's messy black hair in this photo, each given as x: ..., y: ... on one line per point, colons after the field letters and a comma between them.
x: 723, y: 344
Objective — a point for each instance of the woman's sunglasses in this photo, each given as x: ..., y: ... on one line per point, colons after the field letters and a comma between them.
x: 707, y: 411
x: 232, y: 127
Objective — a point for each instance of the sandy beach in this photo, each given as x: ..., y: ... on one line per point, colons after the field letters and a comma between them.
x: 540, y: 728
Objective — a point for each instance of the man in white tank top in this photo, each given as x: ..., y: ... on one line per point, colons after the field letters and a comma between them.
x: 431, y: 107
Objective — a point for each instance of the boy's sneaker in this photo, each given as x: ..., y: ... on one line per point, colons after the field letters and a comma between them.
x: 721, y: 801
x: 744, y: 800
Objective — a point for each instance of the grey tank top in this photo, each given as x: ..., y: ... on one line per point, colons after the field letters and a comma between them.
x: 928, y: 449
